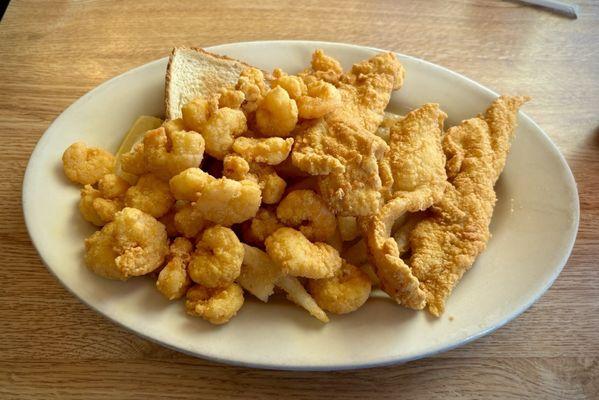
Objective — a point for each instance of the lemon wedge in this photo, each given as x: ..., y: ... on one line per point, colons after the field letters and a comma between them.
x: 134, y: 135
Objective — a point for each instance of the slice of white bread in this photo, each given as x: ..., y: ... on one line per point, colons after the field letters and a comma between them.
x: 193, y: 72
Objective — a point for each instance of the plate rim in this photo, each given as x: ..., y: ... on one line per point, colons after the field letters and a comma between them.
x: 569, y: 176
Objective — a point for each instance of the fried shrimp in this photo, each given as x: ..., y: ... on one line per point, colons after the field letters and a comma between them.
x: 226, y: 201
x: 133, y: 244
x: 112, y: 186
x: 277, y: 114
x: 196, y: 113
x: 173, y: 125
x: 270, y: 183
x: 99, y: 206
x: 298, y: 256
x: 133, y: 162
x: 173, y: 281
x: 150, y: 195
x: 216, y: 306
x: 187, y: 184
x: 221, y: 129
x: 321, y: 98
x: 260, y: 227
x: 323, y: 67
x: 306, y: 211
x: 252, y: 84
x: 165, y: 155
x: 271, y: 151
x: 96, y: 209
x: 86, y: 165
x: 217, y: 259
x: 231, y: 98
x: 294, y: 85
x: 188, y: 221
x: 343, y: 293
x: 272, y: 186
x: 235, y: 167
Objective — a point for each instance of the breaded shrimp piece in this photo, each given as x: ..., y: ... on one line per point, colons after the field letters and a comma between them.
x: 150, y: 195
x: 343, y: 293
x: 320, y: 99
x: 270, y: 151
x: 297, y: 256
x: 235, y: 167
x: 270, y: 183
x: 217, y: 305
x: 264, y: 224
x: 253, y: 85
x: 217, y: 259
x: 221, y: 129
x: 231, y: 98
x: 419, y: 180
x: 167, y: 154
x: 133, y: 161
x: 96, y: 209
x: 277, y: 113
x: 187, y: 184
x: 196, y: 113
x: 445, y: 245
x: 133, y: 244
x: 293, y: 85
x: 323, y: 67
x: 112, y: 186
x: 173, y: 280
x: 226, y: 201
x: 306, y: 211
x: 86, y: 165
x: 188, y: 221
x: 99, y: 206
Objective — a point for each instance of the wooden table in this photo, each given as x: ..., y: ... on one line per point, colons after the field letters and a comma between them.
x: 52, y: 52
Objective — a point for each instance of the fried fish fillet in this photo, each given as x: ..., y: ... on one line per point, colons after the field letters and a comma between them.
x: 416, y: 164
x: 342, y: 148
x: 446, y: 244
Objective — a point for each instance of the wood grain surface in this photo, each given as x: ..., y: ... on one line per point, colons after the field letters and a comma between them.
x: 52, y: 52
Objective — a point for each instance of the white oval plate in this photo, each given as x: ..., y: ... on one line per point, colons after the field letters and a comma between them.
x: 534, y: 227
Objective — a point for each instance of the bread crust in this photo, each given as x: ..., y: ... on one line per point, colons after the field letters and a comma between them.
x: 167, y: 80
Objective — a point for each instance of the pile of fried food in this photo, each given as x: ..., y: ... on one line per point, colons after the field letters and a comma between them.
x: 301, y: 184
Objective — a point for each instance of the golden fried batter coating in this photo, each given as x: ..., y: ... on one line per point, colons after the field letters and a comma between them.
x: 150, y: 195
x: 445, y: 245
x: 166, y: 155
x: 86, y: 165
x: 133, y: 244
x: 342, y: 147
x: 216, y: 306
x: 306, y: 211
x: 419, y: 180
x: 217, y: 259
x: 260, y: 227
x: 277, y: 114
x: 271, y: 151
x: 343, y: 293
x: 173, y: 281
x: 298, y: 256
